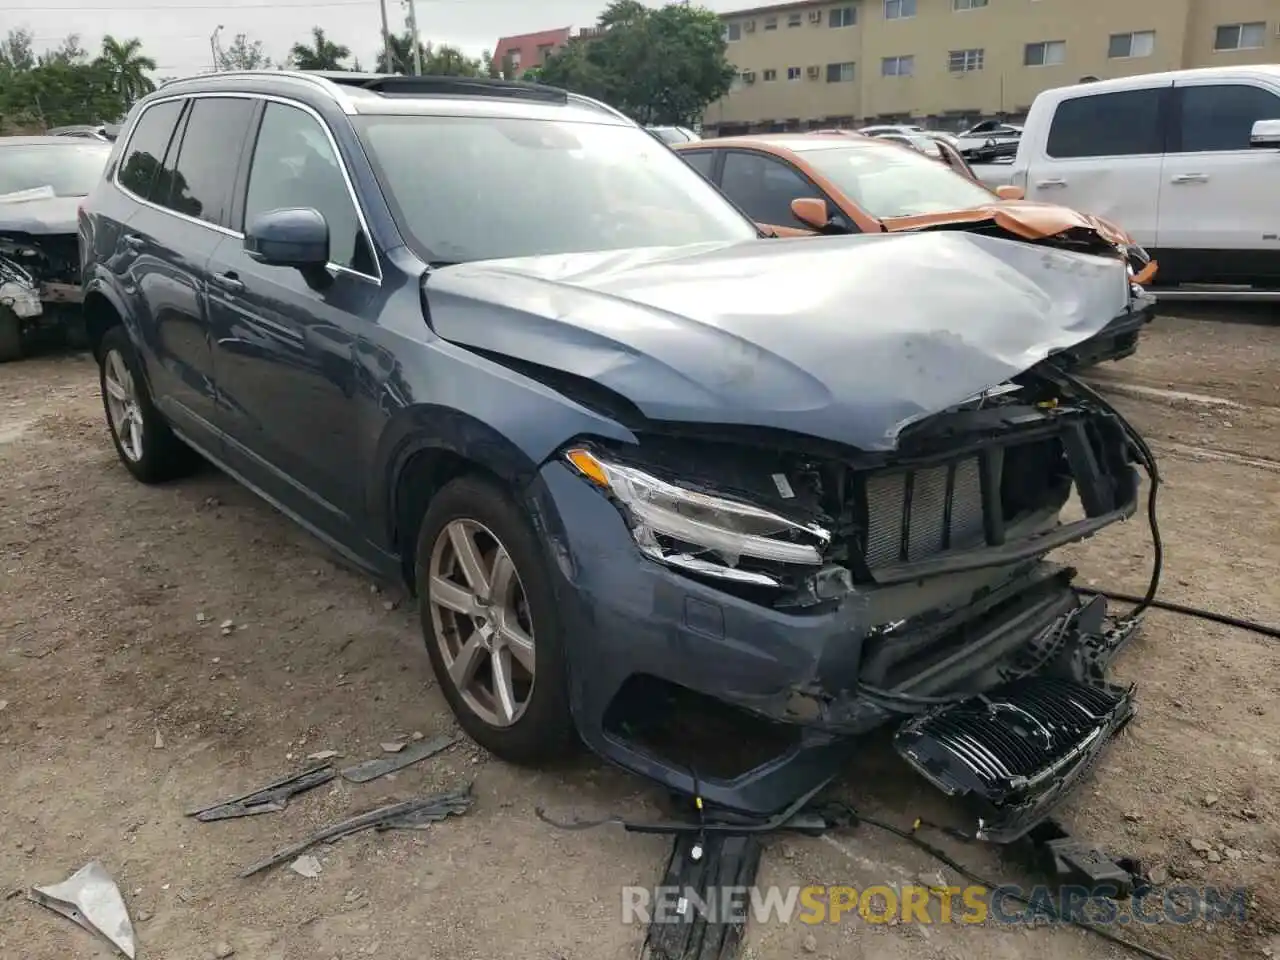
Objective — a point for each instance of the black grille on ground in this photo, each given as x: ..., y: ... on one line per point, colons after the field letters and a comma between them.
x: 1013, y: 735
x: 1017, y: 748
x: 939, y: 508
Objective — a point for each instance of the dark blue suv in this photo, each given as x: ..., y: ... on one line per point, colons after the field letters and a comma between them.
x: 497, y: 341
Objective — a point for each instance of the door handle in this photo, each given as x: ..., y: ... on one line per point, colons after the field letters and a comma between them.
x: 229, y: 282
x: 1051, y: 183
x: 134, y: 242
x: 1191, y: 178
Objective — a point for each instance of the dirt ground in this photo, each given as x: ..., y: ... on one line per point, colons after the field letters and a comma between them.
x: 123, y: 703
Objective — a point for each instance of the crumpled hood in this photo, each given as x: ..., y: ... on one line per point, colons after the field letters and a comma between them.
x: 1028, y: 219
x: 846, y: 338
x: 42, y: 216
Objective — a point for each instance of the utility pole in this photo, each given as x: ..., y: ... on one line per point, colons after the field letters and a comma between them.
x: 213, y: 48
x: 413, y: 38
x: 386, y: 39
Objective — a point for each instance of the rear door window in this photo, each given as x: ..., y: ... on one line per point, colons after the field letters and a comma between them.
x: 204, y: 175
x: 700, y: 160
x: 145, y: 151
x: 1127, y: 123
x: 1220, y: 117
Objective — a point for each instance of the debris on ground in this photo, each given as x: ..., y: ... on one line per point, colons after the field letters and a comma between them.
x: 393, y: 746
x: 323, y: 755
x: 90, y: 899
x: 159, y: 741
x: 223, y: 950
x: 272, y: 798
x: 306, y: 866
x: 402, y: 757
x: 407, y: 815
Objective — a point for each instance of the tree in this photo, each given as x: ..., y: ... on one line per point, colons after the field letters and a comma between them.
x: 69, y: 51
x: 441, y: 61
x: 660, y: 66
x: 15, y: 50
x: 323, y: 54
x: 127, y: 67
x: 244, y: 55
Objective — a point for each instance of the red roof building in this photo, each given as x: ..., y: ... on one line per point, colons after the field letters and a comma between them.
x: 529, y: 49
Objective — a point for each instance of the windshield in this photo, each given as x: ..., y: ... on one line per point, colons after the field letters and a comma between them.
x: 482, y: 188
x: 888, y: 181
x: 71, y: 169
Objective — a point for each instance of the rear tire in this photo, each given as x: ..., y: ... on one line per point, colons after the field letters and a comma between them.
x: 10, y: 335
x: 145, y: 444
x: 482, y: 636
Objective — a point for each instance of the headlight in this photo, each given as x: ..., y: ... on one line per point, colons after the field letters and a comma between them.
x: 672, y: 523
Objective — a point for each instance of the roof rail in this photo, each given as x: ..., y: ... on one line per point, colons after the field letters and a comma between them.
x: 396, y: 84
x: 315, y: 79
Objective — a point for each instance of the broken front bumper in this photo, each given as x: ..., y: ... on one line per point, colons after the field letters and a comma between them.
x: 624, y: 616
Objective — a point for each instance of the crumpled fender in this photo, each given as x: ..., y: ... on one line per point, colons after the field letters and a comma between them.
x: 1027, y: 219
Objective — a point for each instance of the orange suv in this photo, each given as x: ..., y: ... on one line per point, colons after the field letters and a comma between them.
x: 802, y: 184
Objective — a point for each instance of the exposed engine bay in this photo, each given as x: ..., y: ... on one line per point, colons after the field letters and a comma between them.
x: 978, y: 486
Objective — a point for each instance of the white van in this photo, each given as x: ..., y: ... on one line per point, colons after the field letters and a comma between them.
x: 1187, y: 162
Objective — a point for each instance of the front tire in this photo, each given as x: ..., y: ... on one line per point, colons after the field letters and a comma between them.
x: 145, y: 444
x: 491, y: 625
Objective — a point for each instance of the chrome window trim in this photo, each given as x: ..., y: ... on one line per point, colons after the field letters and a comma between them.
x: 239, y: 235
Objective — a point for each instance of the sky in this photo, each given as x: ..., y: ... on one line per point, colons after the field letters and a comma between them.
x: 175, y: 33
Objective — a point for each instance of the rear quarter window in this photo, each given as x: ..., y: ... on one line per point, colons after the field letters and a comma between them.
x: 146, y: 148
x: 1124, y: 123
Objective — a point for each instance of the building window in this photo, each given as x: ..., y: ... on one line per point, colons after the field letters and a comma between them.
x: 770, y: 75
x: 899, y: 9
x: 771, y: 23
x: 897, y: 66
x: 1240, y: 36
x: 545, y: 50
x: 732, y: 32
x: 1050, y: 53
x: 1140, y: 44
x: 794, y: 20
x: 967, y: 4
x: 839, y: 72
x: 842, y: 17
x: 513, y: 55
x: 793, y: 73
x: 965, y: 61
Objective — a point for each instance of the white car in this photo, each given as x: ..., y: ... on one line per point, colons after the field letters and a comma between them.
x: 1188, y: 162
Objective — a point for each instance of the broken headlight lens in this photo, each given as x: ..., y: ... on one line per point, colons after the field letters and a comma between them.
x: 675, y: 524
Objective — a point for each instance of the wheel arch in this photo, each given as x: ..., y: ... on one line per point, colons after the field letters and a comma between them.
x: 425, y: 449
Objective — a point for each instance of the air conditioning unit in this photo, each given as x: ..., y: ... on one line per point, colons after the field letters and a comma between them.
x: 749, y: 77
x: 813, y: 73
x: 815, y: 16
x: 749, y: 26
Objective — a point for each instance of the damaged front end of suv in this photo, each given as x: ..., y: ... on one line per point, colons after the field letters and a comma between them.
x: 831, y: 532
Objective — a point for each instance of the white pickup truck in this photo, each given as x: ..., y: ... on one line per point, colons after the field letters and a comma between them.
x: 1187, y: 162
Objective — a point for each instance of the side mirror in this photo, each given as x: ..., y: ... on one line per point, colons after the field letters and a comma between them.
x: 1009, y: 192
x: 293, y: 237
x: 811, y: 211
x: 1265, y: 135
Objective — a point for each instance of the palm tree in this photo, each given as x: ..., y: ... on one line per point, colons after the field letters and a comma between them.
x: 323, y: 54
x: 127, y: 66
x: 401, y: 55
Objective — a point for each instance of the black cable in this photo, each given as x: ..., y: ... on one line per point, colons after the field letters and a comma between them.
x: 1148, y: 460
x: 1252, y: 625
x: 1046, y: 908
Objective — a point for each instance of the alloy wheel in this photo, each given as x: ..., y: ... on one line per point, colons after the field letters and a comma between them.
x: 123, y: 408
x: 480, y: 615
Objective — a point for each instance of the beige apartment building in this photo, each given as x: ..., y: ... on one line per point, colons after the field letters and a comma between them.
x: 950, y: 62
